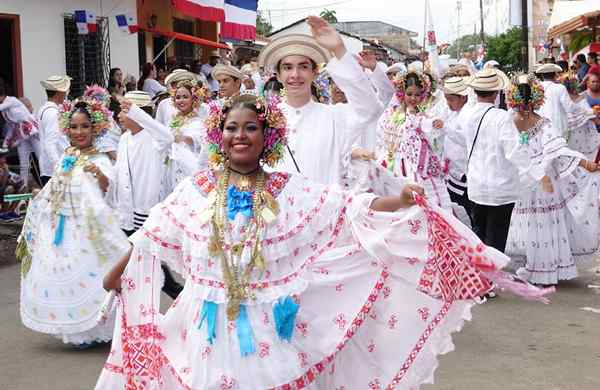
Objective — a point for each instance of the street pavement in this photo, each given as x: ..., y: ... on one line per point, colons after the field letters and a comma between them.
x: 510, y: 345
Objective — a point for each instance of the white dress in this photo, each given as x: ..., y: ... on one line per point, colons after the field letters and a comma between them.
x: 541, y: 226
x: 582, y: 135
x: 61, y: 281
x: 373, y: 311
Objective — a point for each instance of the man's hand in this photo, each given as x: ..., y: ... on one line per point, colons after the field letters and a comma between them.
x: 125, y: 105
x: 438, y: 124
x: 326, y: 36
x: 367, y: 59
x: 362, y: 154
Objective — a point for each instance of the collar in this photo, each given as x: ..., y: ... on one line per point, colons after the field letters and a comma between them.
x: 297, y: 110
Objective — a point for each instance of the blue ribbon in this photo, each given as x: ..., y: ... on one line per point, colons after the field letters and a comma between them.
x: 68, y: 162
x: 284, y: 313
x: 238, y: 202
x: 244, y: 332
x: 60, y: 231
x: 209, y: 313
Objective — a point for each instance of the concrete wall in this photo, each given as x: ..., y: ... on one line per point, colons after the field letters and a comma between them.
x: 43, y: 43
x: 353, y: 45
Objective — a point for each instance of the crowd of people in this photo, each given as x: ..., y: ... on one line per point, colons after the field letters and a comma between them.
x: 333, y: 219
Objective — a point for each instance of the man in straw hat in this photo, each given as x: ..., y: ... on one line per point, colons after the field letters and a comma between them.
x: 229, y: 78
x: 165, y: 111
x: 52, y: 142
x: 557, y: 103
x: 321, y: 135
x: 207, y: 69
x: 495, y: 160
x: 139, y: 169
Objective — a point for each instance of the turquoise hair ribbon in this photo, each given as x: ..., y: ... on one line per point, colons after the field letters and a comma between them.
x: 209, y: 313
x: 60, y: 231
x: 244, y: 332
x: 284, y: 313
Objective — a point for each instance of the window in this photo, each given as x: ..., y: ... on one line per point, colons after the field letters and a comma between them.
x: 87, y: 56
x: 184, y: 51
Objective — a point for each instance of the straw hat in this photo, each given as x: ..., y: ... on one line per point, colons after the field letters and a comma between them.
x: 215, y: 53
x: 179, y: 75
x: 292, y: 44
x: 57, y: 83
x: 487, y: 80
x: 491, y: 64
x: 455, y: 86
x: 397, y: 67
x: 226, y: 70
x: 139, y: 98
x: 548, y: 68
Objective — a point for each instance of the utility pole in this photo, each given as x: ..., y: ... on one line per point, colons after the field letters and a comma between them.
x: 481, y: 17
x: 524, y: 37
x: 458, y: 9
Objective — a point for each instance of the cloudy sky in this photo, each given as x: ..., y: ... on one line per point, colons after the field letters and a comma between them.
x: 403, y: 13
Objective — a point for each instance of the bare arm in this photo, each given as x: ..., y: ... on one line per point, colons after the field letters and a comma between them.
x: 394, y: 203
x: 112, y: 280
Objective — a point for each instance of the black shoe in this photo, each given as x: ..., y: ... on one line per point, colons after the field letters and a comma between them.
x: 171, y: 287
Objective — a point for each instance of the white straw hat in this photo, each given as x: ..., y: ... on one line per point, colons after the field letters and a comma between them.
x: 57, y: 83
x: 455, y: 86
x: 139, y: 98
x: 487, y: 80
x: 226, y: 70
x: 179, y: 75
x: 292, y: 44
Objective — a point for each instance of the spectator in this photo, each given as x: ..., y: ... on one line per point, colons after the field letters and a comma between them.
x: 147, y: 81
x: 564, y: 65
x: 116, y: 87
x: 593, y: 63
x: 208, y: 68
x: 10, y: 183
x: 130, y: 83
x: 581, y: 66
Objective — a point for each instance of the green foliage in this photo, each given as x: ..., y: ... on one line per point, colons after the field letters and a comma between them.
x: 580, y: 40
x: 329, y: 15
x: 506, y: 49
x: 465, y: 43
x: 263, y: 27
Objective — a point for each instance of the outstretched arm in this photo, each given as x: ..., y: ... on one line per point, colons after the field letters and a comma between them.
x: 112, y: 280
x: 394, y: 203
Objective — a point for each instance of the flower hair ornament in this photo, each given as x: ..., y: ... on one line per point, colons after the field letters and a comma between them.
x: 198, y: 91
x: 97, y: 92
x: 275, y: 128
x: 516, y: 101
x: 425, y: 81
x: 570, y: 82
x: 98, y: 112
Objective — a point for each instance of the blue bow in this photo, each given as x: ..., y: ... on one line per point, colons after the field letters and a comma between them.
x: 238, y: 202
x: 68, y: 162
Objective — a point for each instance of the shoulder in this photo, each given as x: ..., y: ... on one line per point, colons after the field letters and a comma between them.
x: 205, y: 181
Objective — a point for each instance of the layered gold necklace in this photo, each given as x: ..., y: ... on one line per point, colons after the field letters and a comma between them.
x: 221, y: 244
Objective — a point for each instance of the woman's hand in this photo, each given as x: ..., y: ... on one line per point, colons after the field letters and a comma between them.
x: 125, y: 105
x: 589, y: 166
x: 362, y: 154
x: 394, y: 203
x: 97, y: 173
x: 184, y: 139
x: 547, y: 185
x: 326, y: 36
x: 407, y: 197
x: 112, y: 280
x: 438, y: 124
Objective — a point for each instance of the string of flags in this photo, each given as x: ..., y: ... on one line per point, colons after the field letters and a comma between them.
x: 87, y: 22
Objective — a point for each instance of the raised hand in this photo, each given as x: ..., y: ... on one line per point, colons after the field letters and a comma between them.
x: 367, y: 59
x: 326, y: 35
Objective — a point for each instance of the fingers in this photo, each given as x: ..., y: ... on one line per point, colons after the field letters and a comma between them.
x: 316, y: 22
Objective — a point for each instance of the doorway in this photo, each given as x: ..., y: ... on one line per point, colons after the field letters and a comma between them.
x: 10, y: 54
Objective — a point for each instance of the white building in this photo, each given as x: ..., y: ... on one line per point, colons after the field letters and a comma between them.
x: 38, y: 41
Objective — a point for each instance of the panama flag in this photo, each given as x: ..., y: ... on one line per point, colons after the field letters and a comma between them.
x: 240, y: 20
x: 127, y: 23
x: 211, y: 10
x: 86, y: 21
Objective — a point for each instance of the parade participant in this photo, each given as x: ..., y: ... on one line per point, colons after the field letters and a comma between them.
x: 207, y: 69
x: 184, y: 137
x: 557, y: 104
x: 456, y: 94
x: 71, y: 237
x: 229, y: 79
x: 109, y: 142
x: 165, y: 110
x: 496, y: 160
x: 289, y: 283
x: 315, y: 126
x: 22, y: 131
x: 53, y: 143
x: 539, y: 230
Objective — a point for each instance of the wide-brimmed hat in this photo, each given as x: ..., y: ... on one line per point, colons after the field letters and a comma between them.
x: 179, y: 75
x: 57, y: 83
x: 491, y: 64
x: 548, y: 68
x: 215, y: 53
x: 290, y: 45
x: 455, y: 86
x: 398, y: 67
x: 139, y: 98
x: 226, y: 70
x: 487, y: 80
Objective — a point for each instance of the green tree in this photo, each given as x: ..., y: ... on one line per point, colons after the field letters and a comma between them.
x: 263, y: 27
x: 465, y: 43
x: 506, y: 49
x: 329, y: 15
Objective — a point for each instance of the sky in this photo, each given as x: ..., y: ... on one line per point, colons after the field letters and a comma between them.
x: 407, y: 14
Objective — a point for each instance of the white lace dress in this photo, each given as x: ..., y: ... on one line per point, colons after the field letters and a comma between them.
x: 379, y: 295
x: 61, y: 281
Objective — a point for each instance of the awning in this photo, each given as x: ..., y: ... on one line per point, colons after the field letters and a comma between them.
x: 188, y: 38
x: 588, y: 19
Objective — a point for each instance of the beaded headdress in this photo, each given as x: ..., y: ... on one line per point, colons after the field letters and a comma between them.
x: 426, y: 82
x: 516, y: 101
x: 275, y: 128
x: 198, y: 90
x: 98, y: 112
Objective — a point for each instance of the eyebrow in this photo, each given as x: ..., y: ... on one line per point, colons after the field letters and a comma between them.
x: 305, y: 62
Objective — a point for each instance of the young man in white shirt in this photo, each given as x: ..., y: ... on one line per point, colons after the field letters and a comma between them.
x: 496, y: 160
x: 229, y: 79
x: 139, y: 168
x: 53, y: 142
x: 321, y: 136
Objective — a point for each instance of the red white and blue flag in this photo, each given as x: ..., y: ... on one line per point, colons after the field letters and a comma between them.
x: 127, y: 23
x: 211, y: 10
x: 240, y: 19
x: 85, y: 21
